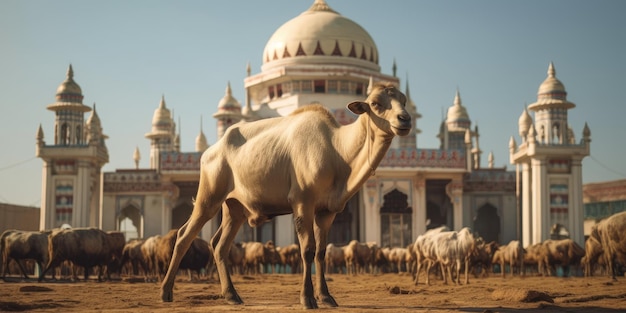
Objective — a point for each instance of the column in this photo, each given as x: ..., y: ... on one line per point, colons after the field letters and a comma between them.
x: 419, y: 205
x: 576, y: 207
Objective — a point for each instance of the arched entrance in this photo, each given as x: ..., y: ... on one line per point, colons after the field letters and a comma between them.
x: 129, y: 222
x: 487, y: 223
x: 395, y: 220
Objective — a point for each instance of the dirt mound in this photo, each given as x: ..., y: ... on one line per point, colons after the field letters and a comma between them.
x: 521, y: 295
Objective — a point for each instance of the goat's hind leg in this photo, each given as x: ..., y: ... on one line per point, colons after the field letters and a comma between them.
x: 232, y: 219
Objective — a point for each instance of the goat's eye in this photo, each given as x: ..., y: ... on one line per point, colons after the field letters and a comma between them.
x: 375, y: 104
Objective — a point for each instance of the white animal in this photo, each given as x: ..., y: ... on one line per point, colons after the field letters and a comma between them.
x: 305, y: 164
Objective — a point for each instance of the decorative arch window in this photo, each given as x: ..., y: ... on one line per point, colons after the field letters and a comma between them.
x: 64, y: 134
x: 395, y: 218
x: 78, y: 135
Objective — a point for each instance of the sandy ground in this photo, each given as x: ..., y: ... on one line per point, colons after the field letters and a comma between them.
x: 362, y: 293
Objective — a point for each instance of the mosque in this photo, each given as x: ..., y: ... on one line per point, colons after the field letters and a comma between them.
x: 321, y: 56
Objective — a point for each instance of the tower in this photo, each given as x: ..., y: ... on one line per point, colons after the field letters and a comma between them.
x: 72, y: 164
x: 228, y: 112
x: 550, y: 161
x: 163, y: 134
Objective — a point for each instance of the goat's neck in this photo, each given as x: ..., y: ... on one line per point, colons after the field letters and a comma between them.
x: 364, y: 146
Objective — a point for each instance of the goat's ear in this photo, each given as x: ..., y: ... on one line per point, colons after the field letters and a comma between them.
x: 358, y: 107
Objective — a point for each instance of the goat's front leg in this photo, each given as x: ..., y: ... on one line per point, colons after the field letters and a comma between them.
x: 323, y: 221
x: 303, y: 222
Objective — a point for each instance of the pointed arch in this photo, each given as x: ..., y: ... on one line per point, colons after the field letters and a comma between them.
x: 318, y: 49
x: 487, y: 223
x: 337, y: 50
x: 352, y: 53
x: 363, y: 54
x: 130, y: 222
x: 300, y: 51
x: 286, y: 53
x: 396, y: 219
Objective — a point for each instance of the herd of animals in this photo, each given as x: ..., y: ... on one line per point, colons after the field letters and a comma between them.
x: 452, y: 251
x: 308, y: 165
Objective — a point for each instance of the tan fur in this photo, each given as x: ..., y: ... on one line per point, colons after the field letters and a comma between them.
x: 304, y: 163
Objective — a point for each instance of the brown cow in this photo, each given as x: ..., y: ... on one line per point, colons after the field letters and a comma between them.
x: 133, y: 256
x: 23, y: 245
x: 195, y: 259
x: 564, y: 253
x: 86, y: 247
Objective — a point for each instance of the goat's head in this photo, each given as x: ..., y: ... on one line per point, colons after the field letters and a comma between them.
x: 386, y: 107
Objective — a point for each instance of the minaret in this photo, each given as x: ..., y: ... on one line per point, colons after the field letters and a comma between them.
x: 136, y: 157
x: 452, y: 134
x: 228, y: 112
x: 73, y: 163
x: 201, y: 142
x: 162, y: 137
x: 551, y: 164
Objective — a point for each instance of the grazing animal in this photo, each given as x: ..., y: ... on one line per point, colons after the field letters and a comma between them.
x: 563, y: 252
x: 423, y: 248
x: 195, y: 259
x: 23, y: 245
x: 610, y: 233
x: 482, y: 256
x: 149, y: 251
x: 290, y: 256
x: 358, y: 257
x: 257, y: 255
x: 133, y: 256
x: 335, y: 258
x: 512, y: 254
x: 593, y: 253
x: 304, y: 163
x: 86, y: 247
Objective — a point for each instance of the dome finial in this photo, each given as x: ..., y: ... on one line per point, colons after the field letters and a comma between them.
x: 162, y: 103
x: 229, y: 91
x: 551, y: 70
x: 70, y: 72
x: 457, y: 97
x: 320, y: 5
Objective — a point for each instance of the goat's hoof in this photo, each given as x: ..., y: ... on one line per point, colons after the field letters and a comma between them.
x: 167, y: 296
x: 308, y: 302
x: 328, y: 300
x: 233, y: 298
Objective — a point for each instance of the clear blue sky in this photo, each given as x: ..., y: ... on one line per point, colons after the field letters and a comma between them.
x: 126, y: 54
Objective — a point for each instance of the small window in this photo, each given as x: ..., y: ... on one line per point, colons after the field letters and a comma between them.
x: 344, y: 86
x: 332, y: 86
x: 279, y: 90
x: 271, y: 92
x: 307, y: 86
x: 320, y: 86
x: 359, y: 89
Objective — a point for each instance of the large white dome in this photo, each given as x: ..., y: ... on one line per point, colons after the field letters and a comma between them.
x: 320, y: 35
